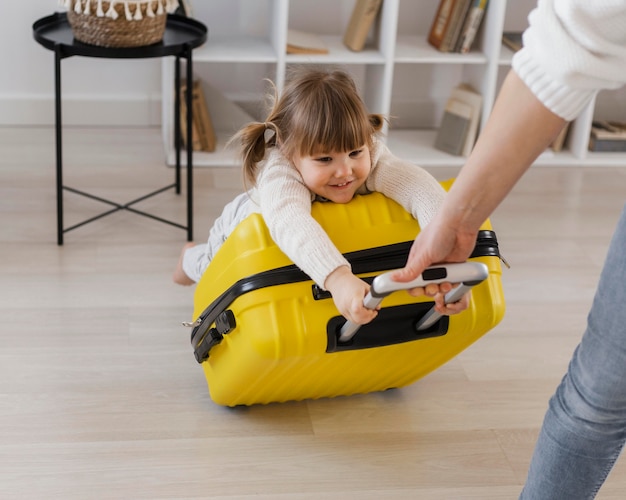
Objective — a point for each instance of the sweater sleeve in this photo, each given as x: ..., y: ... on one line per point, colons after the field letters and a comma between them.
x: 286, y: 208
x: 572, y: 49
x: 411, y: 186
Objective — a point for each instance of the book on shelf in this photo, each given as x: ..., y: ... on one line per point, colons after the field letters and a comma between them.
x: 195, y: 137
x: 302, y: 42
x: 361, y: 20
x: 466, y: 94
x: 472, y: 24
x: 609, y: 136
x: 201, y: 112
x: 447, y: 24
x: 203, y: 133
x: 453, y: 30
x: 512, y: 39
x: 452, y: 132
x: 464, y: 107
x: 440, y: 23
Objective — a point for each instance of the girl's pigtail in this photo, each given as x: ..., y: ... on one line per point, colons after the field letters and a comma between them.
x: 376, y: 121
x: 252, y: 138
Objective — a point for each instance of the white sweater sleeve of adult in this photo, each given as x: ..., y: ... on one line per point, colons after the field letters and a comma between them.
x: 286, y: 208
x: 408, y: 184
x: 572, y: 49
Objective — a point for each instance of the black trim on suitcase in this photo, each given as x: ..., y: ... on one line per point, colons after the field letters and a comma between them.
x: 392, y: 325
x: 383, y: 258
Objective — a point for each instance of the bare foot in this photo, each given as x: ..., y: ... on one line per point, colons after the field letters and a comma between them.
x: 179, y: 275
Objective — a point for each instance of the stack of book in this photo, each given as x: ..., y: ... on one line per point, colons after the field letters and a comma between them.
x: 512, y: 39
x: 459, y: 125
x: 456, y: 25
x: 202, y: 132
x: 608, y: 136
x: 361, y: 21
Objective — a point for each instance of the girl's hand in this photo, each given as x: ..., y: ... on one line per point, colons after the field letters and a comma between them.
x: 348, y: 292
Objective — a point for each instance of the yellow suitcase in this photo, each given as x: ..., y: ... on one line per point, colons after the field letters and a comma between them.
x: 264, y: 332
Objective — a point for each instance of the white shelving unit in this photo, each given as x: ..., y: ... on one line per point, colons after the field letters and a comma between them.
x: 399, y: 74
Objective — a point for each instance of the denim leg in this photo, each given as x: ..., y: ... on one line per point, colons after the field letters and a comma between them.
x: 585, y: 426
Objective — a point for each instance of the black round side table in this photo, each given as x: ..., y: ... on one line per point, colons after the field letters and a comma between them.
x: 181, y: 36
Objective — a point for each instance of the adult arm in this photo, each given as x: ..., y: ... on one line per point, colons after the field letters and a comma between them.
x: 571, y: 50
x: 519, y: 128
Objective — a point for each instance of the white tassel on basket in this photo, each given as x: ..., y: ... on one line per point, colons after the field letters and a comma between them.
x: 111, y: 12
x: 129, y: 16
x: 162, y: 7
x: 137, y: 16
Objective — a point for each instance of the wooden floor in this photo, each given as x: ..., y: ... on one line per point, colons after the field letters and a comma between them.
x: 101, y: 398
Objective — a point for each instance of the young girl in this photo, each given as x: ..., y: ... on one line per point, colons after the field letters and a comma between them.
x: 318, y: 143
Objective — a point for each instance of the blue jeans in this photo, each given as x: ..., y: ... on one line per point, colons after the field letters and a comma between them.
x: 585, y: 426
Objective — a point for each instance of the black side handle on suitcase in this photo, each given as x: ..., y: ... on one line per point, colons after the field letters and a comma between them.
x: 467, y: 274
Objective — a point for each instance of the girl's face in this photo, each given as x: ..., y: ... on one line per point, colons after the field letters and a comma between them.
x: 335, y: 176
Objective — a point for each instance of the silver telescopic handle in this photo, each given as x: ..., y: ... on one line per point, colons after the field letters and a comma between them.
x: 467, y: 274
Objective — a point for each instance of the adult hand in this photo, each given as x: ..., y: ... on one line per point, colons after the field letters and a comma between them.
x: 453, y: 307
x: 439, y: 242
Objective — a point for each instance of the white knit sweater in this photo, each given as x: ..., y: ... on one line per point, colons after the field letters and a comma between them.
x: 285, y: 203
x: 572, y: 49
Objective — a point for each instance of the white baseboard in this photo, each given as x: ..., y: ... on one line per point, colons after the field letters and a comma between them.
x: 81, y: 111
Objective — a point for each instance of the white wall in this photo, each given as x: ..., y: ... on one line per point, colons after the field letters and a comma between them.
x: 95, y: 91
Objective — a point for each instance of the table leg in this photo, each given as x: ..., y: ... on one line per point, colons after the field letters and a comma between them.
x: 177, y: 137
x: 188, y: 52
x: 59, y: 142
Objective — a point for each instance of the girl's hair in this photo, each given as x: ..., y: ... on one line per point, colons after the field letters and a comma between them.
x: 319, y: 111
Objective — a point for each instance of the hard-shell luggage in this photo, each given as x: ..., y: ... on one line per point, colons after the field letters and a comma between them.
x: 264, y: 332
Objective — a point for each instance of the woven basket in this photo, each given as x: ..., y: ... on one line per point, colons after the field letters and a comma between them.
x: 118, y: 23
